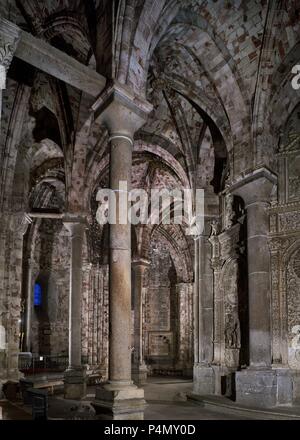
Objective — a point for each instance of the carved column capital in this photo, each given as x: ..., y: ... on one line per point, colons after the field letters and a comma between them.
x: 9, y: 39
x: 75, y: 225
x: 255, y: 187
x: 140, y: 262
x: 122, y: 112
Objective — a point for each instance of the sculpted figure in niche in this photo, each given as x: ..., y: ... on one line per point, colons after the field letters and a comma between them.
x: 231, y: 285
x: 214, y: 228
x: 232, y: 332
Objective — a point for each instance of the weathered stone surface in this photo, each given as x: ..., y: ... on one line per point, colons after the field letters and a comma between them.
x: 201, y: 98
x: 204, y: 380
x: 264, y: 388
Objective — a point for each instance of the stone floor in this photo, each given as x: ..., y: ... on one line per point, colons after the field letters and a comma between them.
x: 11, y: 411
x: 166, y: 400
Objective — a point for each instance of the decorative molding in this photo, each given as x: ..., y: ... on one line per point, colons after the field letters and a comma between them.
x: 289, y: 221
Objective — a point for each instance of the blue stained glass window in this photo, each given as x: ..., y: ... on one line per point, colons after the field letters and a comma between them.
x: 37, y: 294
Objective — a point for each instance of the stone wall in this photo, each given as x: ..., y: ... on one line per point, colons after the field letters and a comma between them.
x: 285, y: 250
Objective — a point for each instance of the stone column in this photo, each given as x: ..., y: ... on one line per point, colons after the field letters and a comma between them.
x: 216, y: 265
x: 9, y: 38
x: 258, y: 385
x: 203, y: 374
x: 122, y: 113
x: 139, y: 368
x: 28, y: 315
x: 185, y: 328
x: 12, y: 230
x: 74, y: 380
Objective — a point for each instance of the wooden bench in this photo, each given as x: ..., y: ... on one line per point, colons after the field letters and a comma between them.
x: 36, y: 384
x: 49, y: 385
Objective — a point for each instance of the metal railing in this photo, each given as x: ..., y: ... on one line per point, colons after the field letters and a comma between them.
x: 34, y: 364
x: 29, y: 363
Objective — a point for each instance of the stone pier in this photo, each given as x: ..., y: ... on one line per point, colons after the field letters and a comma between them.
x: 203, y: 373
x: 259, y: 385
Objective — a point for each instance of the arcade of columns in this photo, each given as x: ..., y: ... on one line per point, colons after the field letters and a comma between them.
x: 237, y: 315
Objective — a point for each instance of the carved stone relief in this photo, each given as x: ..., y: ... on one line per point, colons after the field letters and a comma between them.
x: 227, y: 331
x: 9, y: 38
x: 232, y: 323
x: 289, y: 221
x: 293, y: 304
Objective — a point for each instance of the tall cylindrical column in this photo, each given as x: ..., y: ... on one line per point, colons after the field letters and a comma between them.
x: 123, y: 113
x: 139, y: 370
x: 74, y: 375
x: 197, y: 322
x: 77, y: 231
x: 28, y: 307
x: 203, y: 310
x: 120, y: 265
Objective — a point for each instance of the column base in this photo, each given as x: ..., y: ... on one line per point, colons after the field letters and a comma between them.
x: 139, y: 374
x: 74, y: 384
x: 119, y: 401
x: 264, y: 388
x: 204, y: 380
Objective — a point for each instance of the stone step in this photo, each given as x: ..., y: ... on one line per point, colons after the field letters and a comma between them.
x: 222, y: 403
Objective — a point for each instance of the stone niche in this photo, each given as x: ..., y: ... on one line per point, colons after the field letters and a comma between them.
x: 159, y: 335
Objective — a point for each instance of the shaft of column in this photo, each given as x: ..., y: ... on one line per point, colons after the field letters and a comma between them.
x: 0, y: 108
x: 76, y: 230
x: 2, y: 87
x: 196, y: 306
x: 74, y: 377
x: 259, y: 285
x: 138, y: 334
x: 122, y: 113
x: 203, y: 321
x: 200, y: 303
x: 138, y: 355
x: 28, y: 307
x: 120, y: 266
